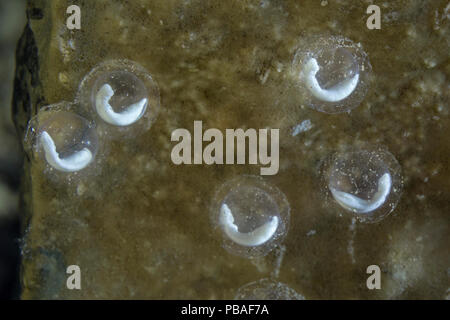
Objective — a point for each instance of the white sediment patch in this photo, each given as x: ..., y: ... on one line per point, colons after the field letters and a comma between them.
x: 305, y: 125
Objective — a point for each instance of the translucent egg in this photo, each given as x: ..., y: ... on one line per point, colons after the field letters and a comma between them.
x: 250, y: 216
x: 367, y: 183
x: 332, y: 74
x: 121, y: 94
x: 267, y: 289
x: 124, y: 93
x: 63, y: 140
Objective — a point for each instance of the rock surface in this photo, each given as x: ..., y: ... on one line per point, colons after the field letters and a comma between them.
x: 140, y: 227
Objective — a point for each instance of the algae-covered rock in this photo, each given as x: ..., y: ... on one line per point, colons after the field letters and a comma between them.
x: 138, y: 226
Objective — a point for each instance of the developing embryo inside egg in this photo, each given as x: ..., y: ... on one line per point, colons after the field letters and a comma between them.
x: 119, y: 97
x: 250, y: 215
x: 64, y: 141
x: 367, y: 183
x: 332, y: 74
x: 122, y: 97
x: 336, y: 67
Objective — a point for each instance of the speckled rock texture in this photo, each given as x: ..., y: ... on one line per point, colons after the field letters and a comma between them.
x: 140, y: 227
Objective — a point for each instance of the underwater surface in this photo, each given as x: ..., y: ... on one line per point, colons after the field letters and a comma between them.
x: 362, y: 175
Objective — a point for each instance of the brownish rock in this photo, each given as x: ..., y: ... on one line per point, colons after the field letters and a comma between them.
x: 140, y: 228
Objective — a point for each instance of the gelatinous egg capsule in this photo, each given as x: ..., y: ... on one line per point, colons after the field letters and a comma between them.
x: 63, y: 140
x: 122, y: 94
x: 367, y: 183
x: 267, y: 289
x: 332, y: 73
x: 250, y: 216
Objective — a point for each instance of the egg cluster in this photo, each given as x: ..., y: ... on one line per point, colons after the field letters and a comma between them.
x: 116, y: 97
x: 250, y: 215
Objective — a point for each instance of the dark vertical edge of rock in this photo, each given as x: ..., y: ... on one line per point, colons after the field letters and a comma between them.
x: 27, y: 98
